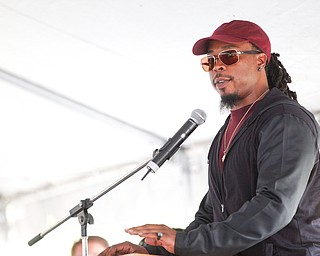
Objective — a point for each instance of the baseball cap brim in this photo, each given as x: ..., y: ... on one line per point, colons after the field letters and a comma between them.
x: 201, y: 46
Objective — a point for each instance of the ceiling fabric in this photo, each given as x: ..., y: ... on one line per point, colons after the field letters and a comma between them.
x: 89, y: 89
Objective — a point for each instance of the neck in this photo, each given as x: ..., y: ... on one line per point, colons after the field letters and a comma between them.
x: 252, y: 100
x: 254, y: 97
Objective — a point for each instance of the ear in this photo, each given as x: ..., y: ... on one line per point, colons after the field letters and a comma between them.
x: 262, y: 60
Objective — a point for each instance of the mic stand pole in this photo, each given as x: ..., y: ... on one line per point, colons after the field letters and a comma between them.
x: 81, y: 211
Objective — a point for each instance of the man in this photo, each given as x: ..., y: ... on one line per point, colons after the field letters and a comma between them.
x: 96, y: 244
x: 264, y: 175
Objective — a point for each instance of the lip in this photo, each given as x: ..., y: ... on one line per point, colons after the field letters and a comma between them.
x: 221, y: 82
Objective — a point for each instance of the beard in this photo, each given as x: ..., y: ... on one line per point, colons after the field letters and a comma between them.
x: 229, y: 101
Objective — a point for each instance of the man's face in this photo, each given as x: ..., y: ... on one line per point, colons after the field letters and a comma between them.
x: 237, y: 84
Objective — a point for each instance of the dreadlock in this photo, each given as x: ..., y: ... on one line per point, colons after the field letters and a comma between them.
x: 278, y: 77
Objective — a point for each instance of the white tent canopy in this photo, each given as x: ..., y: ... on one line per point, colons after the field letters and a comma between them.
x: 88, y: 89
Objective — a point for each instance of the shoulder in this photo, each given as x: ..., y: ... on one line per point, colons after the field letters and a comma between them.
x: 278, y: 110
x: 276, y: 104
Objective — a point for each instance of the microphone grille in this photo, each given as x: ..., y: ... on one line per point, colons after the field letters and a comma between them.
x: 199, y: 116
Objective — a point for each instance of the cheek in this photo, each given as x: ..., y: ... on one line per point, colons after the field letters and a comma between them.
x: 245, y: 76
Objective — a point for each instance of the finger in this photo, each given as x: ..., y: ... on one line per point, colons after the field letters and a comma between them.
x: 145, y: 228
x: 105, y: 252
x: 154, y: 235
x: 159, y: 235
x: 148, y: 228
x: 113, y: 250
x: 155, y: 238
x: 153, y: 242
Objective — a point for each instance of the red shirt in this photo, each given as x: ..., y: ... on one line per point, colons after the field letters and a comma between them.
x: 237, y: 118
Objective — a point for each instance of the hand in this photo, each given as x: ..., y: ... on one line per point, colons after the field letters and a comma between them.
x: 151, y: 234
x: 123, y: 248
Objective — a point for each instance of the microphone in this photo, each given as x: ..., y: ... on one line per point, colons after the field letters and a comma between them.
x: 163, y: 154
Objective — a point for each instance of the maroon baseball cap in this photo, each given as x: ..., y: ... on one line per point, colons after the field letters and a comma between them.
x: 236, y: 31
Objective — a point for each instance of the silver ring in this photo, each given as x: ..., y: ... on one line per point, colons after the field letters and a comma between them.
x: 159, y: 235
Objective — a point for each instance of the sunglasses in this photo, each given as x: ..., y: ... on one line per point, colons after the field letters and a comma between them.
x: 228, y: 57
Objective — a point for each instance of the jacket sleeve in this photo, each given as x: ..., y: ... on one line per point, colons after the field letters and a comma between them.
x: 286, y: 155
x: 203, y: 215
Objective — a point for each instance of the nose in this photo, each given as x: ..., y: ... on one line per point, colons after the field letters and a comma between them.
x: 218, y: 66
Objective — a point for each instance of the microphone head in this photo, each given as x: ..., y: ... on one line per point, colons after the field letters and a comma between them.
x: 198, y: 116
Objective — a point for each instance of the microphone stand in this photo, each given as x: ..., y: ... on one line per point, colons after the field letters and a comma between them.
x: 81, y: 211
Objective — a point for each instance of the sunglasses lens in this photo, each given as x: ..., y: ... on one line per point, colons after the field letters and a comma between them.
x: 207, y: 63
x: 229, y: 57
x: 226, y: 57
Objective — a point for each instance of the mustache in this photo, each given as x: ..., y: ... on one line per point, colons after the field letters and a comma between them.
x: 218, y: 75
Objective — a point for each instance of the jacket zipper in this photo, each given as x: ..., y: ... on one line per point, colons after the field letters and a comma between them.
x: 219, y: 176
x: 221, y: 192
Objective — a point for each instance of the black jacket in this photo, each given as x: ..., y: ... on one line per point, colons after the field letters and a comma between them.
x: 267, y: 200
